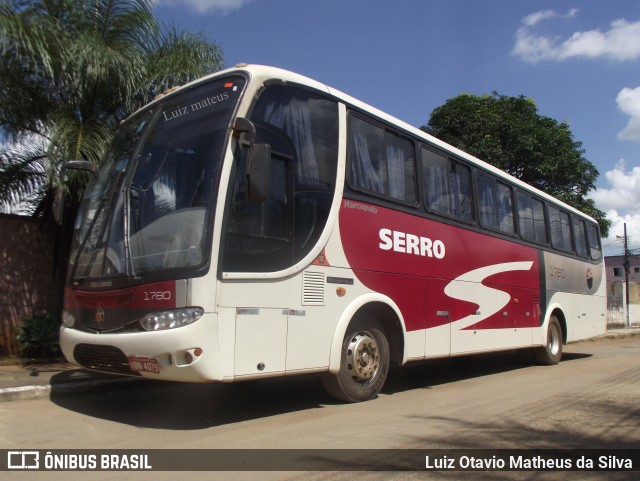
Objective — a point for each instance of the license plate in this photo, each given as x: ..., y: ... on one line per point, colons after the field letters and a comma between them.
x: 144, y: 364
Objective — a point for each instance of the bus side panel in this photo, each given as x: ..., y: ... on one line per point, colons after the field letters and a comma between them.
x: 577, y: 288
x: 287, y: 325
x: 474, y: 283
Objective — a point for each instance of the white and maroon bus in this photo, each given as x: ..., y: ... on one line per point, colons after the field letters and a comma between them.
x: 256, y: 223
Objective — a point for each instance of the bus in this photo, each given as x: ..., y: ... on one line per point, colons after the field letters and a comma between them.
x: 256, y: 223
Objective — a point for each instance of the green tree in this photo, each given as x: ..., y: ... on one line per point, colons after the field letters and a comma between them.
x: 509, y: 133
x: 70, y: 71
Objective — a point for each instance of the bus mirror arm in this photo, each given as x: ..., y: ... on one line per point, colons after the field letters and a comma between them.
x: 258, y: 160
x: 58, y: 201
x: 244, y: 126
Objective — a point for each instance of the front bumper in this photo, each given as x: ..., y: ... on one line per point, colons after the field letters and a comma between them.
x: 187, y: 354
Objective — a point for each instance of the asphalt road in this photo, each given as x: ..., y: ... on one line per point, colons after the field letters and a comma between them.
x: 497, y: 401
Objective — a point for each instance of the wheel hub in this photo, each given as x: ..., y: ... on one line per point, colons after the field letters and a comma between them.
x: 363, y: 357
x: 554, y: 340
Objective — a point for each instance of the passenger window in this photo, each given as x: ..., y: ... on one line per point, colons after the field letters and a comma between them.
x: 594, y: 242
x: 447, y: 186
x: 401, y: 168
x: 560, y: 229
x: 381, y: 162
x: 580, y: 234
x: 495, y: 205
x: 531, y: 219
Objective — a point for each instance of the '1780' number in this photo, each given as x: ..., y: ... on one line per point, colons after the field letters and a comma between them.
x: 157, y: 295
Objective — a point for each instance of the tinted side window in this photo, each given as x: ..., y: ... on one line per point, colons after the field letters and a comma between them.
x: 594, y: 242
x: 401, y: 167
x: 302, y: 131
x: 495, y: 205
x: 531, y: 219
x: 560, y: 229
x: 381, y: 162
x: 580, y: 234
x: 447, y: 186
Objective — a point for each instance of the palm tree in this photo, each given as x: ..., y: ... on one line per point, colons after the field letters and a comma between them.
x: 70, y: 71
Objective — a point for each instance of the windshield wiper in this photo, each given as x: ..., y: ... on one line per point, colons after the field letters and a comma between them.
x: 129, y: 269
x: 83, y: 243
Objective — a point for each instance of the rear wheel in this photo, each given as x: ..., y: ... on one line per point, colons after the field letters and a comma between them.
x: 551, y: 353
x: 364, y: 363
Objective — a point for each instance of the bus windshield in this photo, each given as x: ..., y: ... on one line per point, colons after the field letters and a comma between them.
x: 148, y: 209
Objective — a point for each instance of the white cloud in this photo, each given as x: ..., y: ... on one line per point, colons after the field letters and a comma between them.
x: 621, y: 42
x: 628, y: 101
x: 203, y: 6
x: 624, y: 193
x: 535, y: 18
x: 621, y: 202
x: 614, y: 244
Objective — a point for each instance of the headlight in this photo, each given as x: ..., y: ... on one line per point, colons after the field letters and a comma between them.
x: 160, y: 321
x: 68, y: 319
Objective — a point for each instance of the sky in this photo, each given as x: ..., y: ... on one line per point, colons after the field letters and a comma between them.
x: 578, y: 60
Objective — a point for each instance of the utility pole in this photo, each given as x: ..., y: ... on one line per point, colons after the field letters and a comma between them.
x: 627, y: 268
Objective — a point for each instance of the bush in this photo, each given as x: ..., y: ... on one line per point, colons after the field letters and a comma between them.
x: 38, y: 337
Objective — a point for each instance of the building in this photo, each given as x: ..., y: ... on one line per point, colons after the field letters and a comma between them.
x: 616, y: 289
x: 615, y: 268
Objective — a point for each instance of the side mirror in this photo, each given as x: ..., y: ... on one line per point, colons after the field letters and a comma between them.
x: 259, y: 172
x: 258, y: 160
x: 58, y: 200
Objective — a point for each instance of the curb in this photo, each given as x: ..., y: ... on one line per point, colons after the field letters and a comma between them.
x: 24, y: 393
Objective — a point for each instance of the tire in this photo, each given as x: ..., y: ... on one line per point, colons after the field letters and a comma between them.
x: 364, y: 363
x: 551, y: 353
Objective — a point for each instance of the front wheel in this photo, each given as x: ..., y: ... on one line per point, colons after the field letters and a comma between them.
x: 364, y: 364
x: 551, y: 353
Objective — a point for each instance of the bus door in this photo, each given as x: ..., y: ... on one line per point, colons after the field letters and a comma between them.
x: 259, y: 239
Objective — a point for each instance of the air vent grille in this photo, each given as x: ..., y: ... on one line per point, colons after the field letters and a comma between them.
x: 313, y: 289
